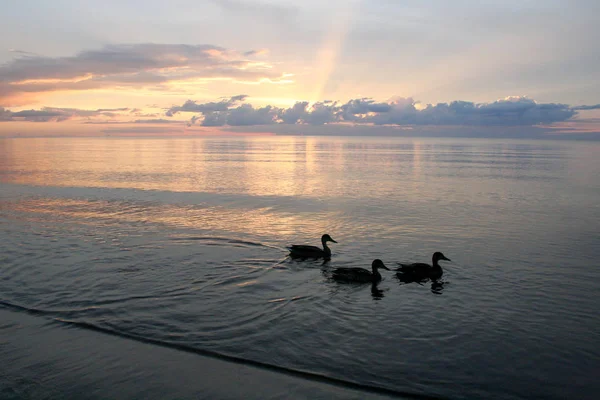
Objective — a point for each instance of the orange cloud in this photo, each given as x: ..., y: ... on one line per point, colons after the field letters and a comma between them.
x: 158, y: 67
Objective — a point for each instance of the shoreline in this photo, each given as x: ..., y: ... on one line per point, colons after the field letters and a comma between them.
x: 47, y: 359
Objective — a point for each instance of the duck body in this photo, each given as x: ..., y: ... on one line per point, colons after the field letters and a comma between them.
x: 305, y: 251
x: 422, y: 271
x: 359, y: 275
x: 299, y: 250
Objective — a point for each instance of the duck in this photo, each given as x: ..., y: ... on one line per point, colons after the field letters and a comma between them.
x: 420, y: 271
x: 357, y: 274
x: 304, y: 251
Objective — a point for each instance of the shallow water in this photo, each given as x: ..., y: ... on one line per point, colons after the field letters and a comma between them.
x: 182, y: 240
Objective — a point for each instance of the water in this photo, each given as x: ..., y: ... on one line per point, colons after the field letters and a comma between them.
x: 182, y: 241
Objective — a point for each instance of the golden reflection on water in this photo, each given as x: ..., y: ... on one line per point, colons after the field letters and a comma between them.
x: 283, y: 166
x: 287, y: 190
x: 263, y: 222
x: 292, y: 184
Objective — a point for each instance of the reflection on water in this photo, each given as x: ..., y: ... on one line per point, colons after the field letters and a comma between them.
x: 184, y: 241
x: 437, y: 287
x: 376, y: 292
x: 303, y: 184
x: 283, y: 166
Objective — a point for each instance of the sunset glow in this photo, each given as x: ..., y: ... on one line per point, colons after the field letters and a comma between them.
x: 310, y: 64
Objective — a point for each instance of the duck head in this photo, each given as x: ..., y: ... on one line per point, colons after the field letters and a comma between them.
x: 377, y: 263
x: 437, y: 256
x: 326, y: 238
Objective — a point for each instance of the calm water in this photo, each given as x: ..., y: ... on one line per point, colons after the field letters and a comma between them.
x: 183, y: 241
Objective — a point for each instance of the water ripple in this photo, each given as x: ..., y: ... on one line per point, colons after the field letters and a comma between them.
x: 146, y: 255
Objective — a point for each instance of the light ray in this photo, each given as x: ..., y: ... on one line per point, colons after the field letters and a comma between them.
x: 332, y: 45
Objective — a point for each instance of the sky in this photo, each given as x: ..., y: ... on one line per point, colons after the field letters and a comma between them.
x: 281, y: 66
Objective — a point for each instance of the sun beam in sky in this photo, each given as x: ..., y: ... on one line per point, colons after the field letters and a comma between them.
x: 328, y: 54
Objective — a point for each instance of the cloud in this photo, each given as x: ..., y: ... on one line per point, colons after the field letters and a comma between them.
x: 36, y: 113
x: 46, y: 114
x: 214, y: 119
x: 193, y: 120
x: 260, y: 52
x: 594, y: 107
x: 513, y: 111
x: 322, y: 113
x: 245, y: 115
x: 157, y: 121
x: 510, y: 111
x: 23, y: 52
x: 105, y: 122
x: 192, y: 106
x: 114, y: 109
x: 137, y: 66
x: 5, y: 115
x: 225, y: 112
x: 239, y: 97
x: 364, y: 106
x: 295, y: 113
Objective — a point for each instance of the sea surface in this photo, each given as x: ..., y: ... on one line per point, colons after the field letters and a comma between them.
x: 183, y: 241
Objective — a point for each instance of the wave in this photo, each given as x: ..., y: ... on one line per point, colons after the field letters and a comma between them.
x: 222, y: 241
x: 308, y: 375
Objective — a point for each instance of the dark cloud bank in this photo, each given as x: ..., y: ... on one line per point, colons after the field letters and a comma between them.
x: 510, y: 117
x: 401, y: 112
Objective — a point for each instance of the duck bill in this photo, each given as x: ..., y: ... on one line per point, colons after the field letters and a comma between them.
x: 384, y: 267
x: 331, y: 240
x: 446, y: 258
